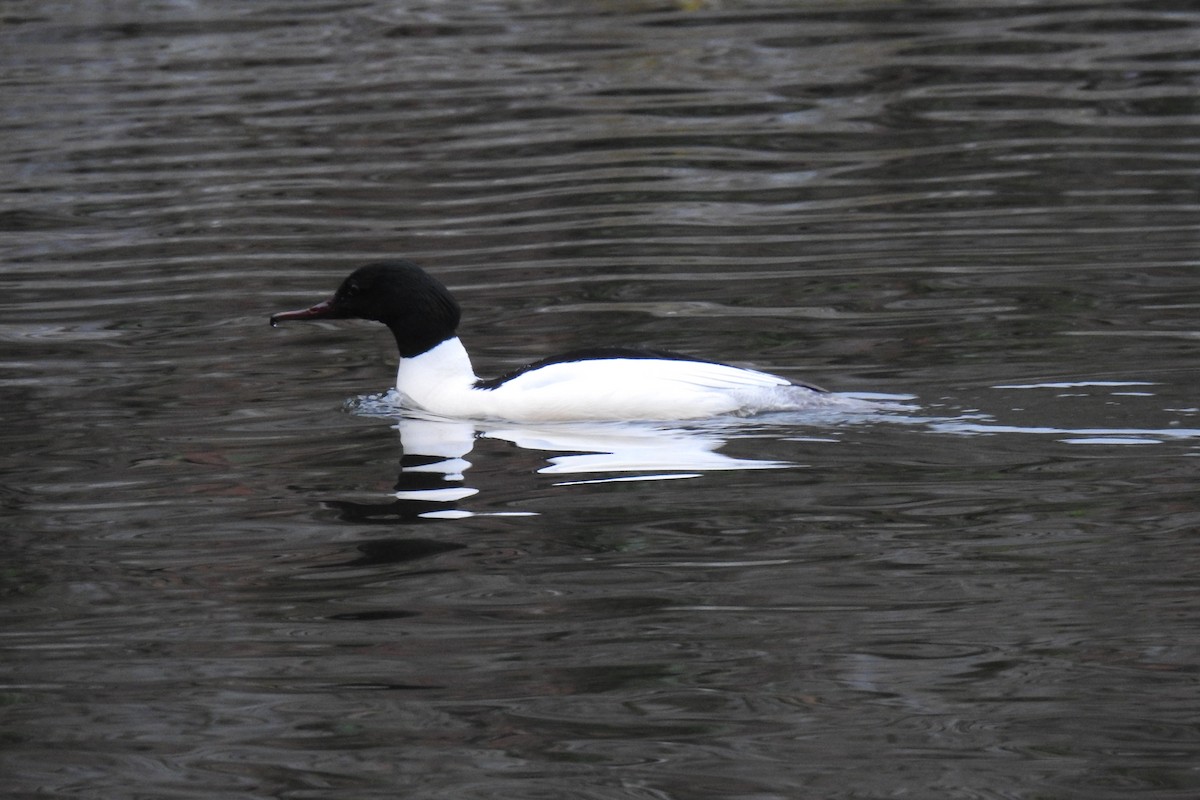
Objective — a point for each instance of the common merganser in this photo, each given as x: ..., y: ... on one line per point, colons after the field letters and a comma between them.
x: 435, y: 373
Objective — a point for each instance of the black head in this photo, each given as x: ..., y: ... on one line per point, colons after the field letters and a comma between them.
x: 417, y: 308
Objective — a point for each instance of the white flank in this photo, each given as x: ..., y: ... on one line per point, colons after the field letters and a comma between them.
x: 442, y: 382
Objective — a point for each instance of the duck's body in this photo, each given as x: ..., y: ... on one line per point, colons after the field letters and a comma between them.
x: 435, y: 373
x: 616, y: 385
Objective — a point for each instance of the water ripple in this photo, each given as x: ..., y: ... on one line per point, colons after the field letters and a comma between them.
x: 216, y: 578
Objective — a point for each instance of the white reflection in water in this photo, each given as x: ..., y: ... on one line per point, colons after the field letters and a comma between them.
x: 434, y: 466
x: 635, y: 452
x: 628, y: 448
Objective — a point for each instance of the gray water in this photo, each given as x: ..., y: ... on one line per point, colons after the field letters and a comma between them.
x: 228, y: 573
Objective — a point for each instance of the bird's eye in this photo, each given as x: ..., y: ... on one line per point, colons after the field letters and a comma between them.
x: 350, y: 290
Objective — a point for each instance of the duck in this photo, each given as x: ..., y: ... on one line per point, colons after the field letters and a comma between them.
x: 435, y: 375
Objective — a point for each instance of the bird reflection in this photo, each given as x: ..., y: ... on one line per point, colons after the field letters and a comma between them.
x: 395, y: 551
x: 433, y: 483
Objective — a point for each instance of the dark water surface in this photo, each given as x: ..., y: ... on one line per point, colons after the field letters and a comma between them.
x: 219, y: 582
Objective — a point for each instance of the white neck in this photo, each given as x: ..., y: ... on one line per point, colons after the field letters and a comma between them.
x: 440, y: 380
